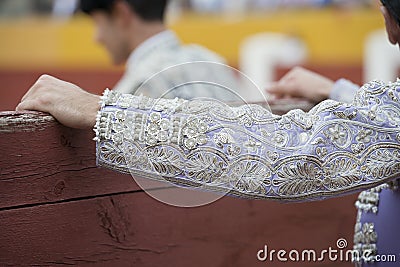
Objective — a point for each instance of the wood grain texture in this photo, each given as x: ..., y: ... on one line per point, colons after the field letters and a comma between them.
x: 42, y: 161
x: 57, y: 208
x: 135, y: 230
x: 12, y: 122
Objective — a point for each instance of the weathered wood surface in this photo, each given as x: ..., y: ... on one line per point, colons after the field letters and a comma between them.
x: 42, y: 161
x: 57, y: 208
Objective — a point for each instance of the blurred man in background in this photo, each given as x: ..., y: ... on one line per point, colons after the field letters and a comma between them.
x: 133, y: 31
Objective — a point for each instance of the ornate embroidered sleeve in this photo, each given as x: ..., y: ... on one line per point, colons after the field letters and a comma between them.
x: 334, y: 149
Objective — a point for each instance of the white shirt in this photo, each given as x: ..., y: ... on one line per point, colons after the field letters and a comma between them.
x: 164, y: 50
x: 343, y: 91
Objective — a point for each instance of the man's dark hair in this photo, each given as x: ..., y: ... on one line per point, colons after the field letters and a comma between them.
x: 148, y: 10
x: 393, y: 6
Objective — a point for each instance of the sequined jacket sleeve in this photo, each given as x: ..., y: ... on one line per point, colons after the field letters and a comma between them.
x: 247, y: 151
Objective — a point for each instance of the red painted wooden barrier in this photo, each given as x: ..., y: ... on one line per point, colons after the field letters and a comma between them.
x: 57, y: 208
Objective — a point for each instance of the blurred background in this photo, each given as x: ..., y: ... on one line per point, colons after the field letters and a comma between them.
x: 263, y: 38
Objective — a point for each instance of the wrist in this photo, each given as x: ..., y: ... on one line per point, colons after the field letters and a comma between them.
x: 98, y: 123
x: 323, y: 94
x: 93, y: 109
x: 324, y: 90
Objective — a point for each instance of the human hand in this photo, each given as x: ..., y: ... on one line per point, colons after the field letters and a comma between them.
x: 68, y: 103
x: 302, y: 83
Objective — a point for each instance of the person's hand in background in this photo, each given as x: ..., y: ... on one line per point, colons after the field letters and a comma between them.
x: 302, y: 83
x: 68, y: 103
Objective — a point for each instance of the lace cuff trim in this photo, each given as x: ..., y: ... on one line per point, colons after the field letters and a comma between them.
x: 99, y: 127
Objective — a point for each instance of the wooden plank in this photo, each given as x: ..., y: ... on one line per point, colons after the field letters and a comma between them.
x: 133, y: 229
x: 42, y: 161
x: 58, y: 208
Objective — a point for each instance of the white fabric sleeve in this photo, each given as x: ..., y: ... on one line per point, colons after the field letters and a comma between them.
x: 343, y: 91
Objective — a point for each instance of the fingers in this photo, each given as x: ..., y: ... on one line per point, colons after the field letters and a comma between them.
x: 274, y: 88
x: 286, y: 85
x: 27, y: 105
x: 35, y: 97
x: 282, y: 88
x: 29, y: 92
x: 36, y: 86
x: 68, y: 103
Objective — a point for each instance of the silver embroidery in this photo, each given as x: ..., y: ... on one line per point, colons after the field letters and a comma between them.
x: 333, y: 149
x: 365, y: 236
